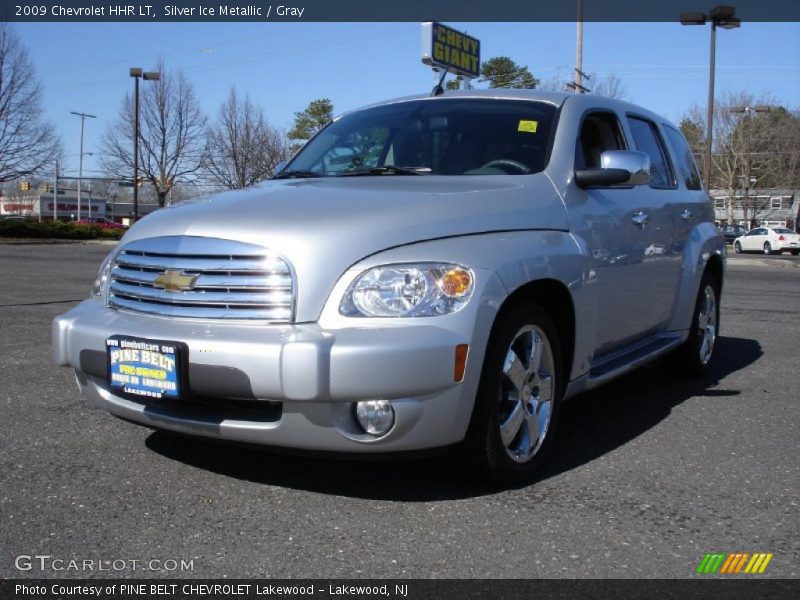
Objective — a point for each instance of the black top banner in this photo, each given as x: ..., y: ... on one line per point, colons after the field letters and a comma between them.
x: 372, y: 10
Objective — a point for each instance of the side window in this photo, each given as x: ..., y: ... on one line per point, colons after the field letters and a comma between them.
x: 687, y: 168
x: 600, y: 131
x: 647, y: 140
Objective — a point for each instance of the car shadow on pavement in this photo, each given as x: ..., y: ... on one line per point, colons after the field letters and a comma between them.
x: 592, y: 425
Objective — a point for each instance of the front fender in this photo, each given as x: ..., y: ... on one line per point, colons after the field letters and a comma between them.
x: 503, y: 262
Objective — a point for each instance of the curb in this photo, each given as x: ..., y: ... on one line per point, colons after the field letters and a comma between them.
x: 52, y: 241
x: 763, y: 262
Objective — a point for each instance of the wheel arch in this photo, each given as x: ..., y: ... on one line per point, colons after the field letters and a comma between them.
x: 716, y: 268
x: 556, y: 300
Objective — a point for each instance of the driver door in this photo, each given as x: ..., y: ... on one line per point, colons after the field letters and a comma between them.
x: 605, y: 218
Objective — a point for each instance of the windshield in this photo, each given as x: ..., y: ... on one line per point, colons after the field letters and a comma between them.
x: 442, y: 137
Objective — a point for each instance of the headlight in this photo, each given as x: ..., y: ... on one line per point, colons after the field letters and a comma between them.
x: 409, y: 290
x: 101, y: 279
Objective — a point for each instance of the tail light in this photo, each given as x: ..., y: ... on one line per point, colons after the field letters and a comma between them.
x: 781, y: 238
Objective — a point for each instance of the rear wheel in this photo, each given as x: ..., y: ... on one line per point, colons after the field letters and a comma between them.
x: 737, y: 247
x: 697, y: 353
x: 795, y: 252
x: 767, y: 248
x: 518, y: 401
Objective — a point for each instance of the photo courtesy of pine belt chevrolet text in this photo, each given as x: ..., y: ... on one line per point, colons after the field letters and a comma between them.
x: 431, y: 272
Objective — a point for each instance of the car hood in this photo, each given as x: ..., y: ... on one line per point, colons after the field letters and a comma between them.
x: 324, y: 226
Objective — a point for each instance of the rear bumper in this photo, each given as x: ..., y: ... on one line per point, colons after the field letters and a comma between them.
x: 296, y: 384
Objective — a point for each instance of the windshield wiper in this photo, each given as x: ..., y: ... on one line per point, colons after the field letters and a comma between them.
x: 298, y: 174
x: 387, y: 170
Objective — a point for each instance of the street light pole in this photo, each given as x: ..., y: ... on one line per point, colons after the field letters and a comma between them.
x: 55, y: 193
x: 722, y: 16
x: 138, y: 73
x: 712, y: 63
x: 80, y: 160
x: 747, y: 113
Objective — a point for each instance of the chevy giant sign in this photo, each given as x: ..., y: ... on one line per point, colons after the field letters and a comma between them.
x: 449, y: 49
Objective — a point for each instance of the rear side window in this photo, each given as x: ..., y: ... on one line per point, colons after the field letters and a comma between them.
x: 647, y: 140
x: 687, y: 168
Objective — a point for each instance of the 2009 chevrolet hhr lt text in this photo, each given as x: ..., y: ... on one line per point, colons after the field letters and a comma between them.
x: 426, y: 272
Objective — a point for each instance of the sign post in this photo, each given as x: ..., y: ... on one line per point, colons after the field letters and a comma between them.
x: 454, y: 51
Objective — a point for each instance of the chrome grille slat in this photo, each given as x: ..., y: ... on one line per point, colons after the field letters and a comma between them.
x: 233, y: 280
x: 277, y: 299
x: 267, y: 265
x: 206, y: 281
x: 273, y: 315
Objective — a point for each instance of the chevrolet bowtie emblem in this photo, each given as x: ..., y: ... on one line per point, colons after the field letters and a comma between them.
x: 175, y: 281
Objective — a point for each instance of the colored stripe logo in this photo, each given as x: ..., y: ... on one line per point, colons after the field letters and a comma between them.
x: 733, y: 563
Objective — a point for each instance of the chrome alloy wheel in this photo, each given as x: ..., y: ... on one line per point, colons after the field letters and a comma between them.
x: 527, y: 391
x: 707, y: 324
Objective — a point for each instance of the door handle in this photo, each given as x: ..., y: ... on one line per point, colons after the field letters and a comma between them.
x: 686, y: 214
x: 640, y: 219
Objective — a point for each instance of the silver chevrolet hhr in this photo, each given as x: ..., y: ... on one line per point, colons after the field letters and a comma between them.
x: 427, y: 272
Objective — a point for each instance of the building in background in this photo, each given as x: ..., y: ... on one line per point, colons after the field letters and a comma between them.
x: 40, y: 201
x: 34, y: 202
x: 761, y: 208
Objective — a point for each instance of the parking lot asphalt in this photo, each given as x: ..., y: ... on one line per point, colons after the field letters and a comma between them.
x: 651, y: 471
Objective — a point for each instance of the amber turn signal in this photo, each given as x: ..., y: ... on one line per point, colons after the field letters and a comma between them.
x: 456, y: 282
x: 461, y: 362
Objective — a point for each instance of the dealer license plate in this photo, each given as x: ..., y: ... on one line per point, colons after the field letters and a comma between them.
x: 145, y: 368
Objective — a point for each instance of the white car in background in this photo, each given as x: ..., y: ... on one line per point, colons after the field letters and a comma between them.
x: 769, y: 240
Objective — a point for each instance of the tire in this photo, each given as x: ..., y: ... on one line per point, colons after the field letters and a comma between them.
x: 737, y: 248
x: 767, y: 248
x: 696, y: 354
x: 507, y: 415
x: 794, y: 252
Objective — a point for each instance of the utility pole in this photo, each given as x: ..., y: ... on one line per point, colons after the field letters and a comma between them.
x: 576, y: 85
x: 80, y: 159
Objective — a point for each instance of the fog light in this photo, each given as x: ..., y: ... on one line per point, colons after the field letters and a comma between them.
x: 376, y: 417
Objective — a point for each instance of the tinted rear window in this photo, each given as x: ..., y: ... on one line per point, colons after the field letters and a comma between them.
x: 686, y: 166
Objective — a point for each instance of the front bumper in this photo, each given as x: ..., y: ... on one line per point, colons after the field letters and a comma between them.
x: 285, y: 385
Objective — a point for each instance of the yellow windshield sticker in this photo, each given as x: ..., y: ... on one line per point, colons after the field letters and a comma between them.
x: 528, y: 126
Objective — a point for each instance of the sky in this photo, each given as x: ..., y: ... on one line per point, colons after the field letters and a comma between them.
x: 83, y: 67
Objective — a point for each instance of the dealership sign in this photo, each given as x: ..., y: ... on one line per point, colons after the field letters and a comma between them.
x: 449, y: 49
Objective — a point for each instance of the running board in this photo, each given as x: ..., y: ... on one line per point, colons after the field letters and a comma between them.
x: 616, y: 364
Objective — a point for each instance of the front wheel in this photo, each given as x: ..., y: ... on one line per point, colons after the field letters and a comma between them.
x: 518, y: 401
x: 737, y: 247
x: 767, y: 248
x: 696, y: 354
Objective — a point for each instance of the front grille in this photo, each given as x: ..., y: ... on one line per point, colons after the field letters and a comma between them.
x: 216, y: 279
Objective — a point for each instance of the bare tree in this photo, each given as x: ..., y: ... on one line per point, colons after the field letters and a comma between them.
x: 27, y: 142
x: 609, y: 85
x: 243, y: 148
x: 552, y: 84
x: 171, y: 134
x: 750, y: 151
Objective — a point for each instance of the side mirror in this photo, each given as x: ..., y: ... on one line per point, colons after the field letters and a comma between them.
x: 617, y: 167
